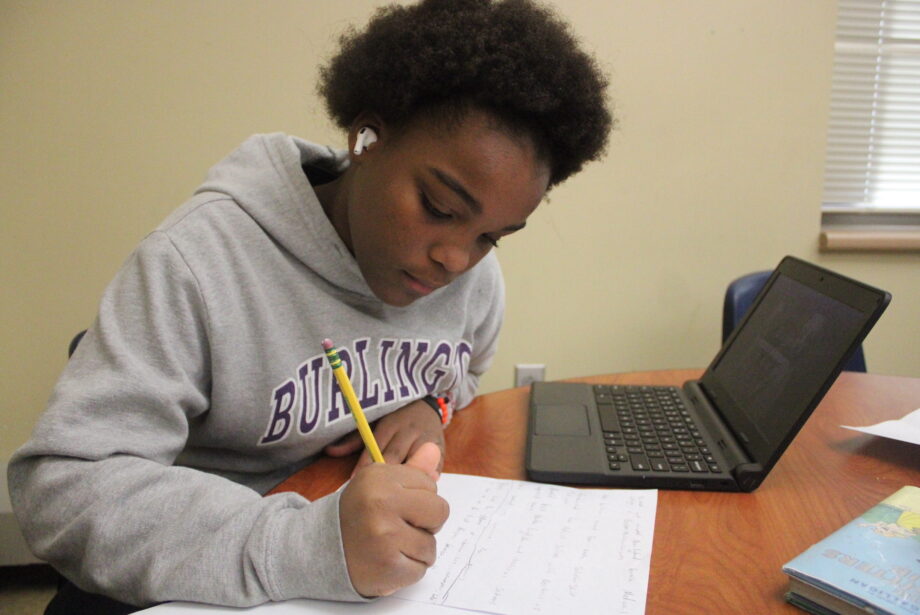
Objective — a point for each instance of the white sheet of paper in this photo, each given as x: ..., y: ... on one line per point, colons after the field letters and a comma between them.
x: 906, y: 429
x: 518, y: 547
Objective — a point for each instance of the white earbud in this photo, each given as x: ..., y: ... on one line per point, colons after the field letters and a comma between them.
x: 366, y: 136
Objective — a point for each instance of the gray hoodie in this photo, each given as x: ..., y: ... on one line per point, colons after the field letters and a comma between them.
x: 202, y: 384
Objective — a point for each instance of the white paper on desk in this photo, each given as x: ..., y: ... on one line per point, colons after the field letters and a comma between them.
x: 517, y: 547
x: 906, y: 429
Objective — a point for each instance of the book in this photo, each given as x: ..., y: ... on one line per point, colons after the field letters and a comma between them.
x: 870, y: 565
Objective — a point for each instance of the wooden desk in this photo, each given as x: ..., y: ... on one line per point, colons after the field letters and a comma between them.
x: 716, y: 552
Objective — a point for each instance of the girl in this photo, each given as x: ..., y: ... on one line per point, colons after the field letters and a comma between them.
x: 202, y: 383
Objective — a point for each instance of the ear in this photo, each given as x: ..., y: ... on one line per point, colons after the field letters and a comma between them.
x: 365, y: 120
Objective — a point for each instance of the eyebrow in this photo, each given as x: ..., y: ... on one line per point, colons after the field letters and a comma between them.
x: 457, y: 188
x: 468, y: 198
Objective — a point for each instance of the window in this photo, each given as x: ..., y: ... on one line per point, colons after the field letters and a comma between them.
x: 872, y: 170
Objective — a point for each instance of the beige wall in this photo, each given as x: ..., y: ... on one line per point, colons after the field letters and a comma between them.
x: 111, y: 112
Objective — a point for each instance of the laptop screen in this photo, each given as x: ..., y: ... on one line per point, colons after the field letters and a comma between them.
x: 785, y: 355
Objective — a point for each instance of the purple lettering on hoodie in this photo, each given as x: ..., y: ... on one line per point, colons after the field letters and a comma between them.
x: 280, y: 423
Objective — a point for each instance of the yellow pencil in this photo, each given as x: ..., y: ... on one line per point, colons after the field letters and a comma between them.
x: 352, y: 400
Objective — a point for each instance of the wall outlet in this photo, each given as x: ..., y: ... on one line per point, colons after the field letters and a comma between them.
x: 525, y: 373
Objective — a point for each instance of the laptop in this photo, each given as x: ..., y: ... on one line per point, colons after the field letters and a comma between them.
x: 725, y: 431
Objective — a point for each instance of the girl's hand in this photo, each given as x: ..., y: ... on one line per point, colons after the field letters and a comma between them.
x: 389, y: 515
x: 399, y: 435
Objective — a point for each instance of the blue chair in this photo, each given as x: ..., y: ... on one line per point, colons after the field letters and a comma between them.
x: 739, y: 296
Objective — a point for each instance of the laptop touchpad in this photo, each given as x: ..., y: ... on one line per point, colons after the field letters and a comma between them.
x: 562, y: 420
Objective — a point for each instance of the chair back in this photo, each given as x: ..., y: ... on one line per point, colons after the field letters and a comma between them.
x: 75, y: 342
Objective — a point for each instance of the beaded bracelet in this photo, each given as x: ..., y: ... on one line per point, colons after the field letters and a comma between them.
x: 439, y: 405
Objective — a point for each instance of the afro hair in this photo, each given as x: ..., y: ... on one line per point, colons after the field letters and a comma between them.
x: 512, y: 58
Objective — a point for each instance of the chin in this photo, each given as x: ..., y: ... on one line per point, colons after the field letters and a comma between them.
x: 396, y: 299
x: 394, y: 293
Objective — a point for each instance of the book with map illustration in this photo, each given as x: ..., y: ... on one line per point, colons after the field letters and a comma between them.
x: 870, y: 565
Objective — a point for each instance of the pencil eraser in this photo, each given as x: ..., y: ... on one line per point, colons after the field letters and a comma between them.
x: 327, y: 344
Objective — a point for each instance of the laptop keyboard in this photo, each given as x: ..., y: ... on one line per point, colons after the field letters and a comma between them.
x: 647, y: 428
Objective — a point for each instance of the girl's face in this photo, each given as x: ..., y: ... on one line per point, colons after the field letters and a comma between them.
x: 423, y: 206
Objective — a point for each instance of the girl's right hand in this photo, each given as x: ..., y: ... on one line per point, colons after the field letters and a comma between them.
x: 389, y: 515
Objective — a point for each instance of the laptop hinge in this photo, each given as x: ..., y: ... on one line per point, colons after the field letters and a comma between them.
x: 735, y: 456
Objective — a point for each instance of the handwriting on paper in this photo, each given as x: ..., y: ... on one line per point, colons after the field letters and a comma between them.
x: 518, y: 547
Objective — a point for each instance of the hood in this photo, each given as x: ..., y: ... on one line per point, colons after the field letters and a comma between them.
x: 265, y: 177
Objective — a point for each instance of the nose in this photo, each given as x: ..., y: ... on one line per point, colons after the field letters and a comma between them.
x: 454, y: 258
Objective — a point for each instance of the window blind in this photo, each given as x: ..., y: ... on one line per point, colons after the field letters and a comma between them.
x: 873, y: 143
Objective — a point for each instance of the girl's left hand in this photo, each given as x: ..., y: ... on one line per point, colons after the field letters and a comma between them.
x: 399, y: 434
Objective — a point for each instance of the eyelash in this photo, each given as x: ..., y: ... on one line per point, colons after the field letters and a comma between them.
x: 432, y: 210
x: 437, y: 214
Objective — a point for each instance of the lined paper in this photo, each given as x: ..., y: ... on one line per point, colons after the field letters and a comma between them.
x: 519, y: 547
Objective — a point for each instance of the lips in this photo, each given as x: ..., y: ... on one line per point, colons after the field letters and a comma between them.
x: 421, y: 287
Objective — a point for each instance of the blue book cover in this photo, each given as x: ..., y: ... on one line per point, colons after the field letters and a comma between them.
x: 872, y: 563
